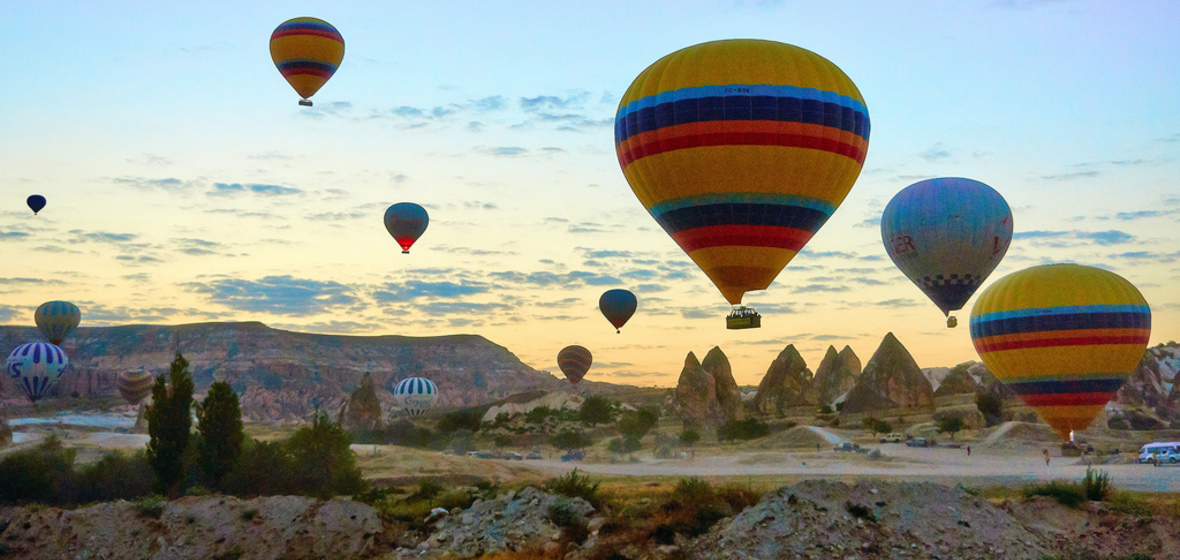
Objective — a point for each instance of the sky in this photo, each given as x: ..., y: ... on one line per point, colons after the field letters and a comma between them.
x: 186, y: 185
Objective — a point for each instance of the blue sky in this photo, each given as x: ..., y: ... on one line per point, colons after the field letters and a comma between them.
x: 185, y: 184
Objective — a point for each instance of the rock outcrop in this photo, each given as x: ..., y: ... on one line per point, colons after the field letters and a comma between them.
x: 835, y: 376
x: 957, y: 382
x: 892, y: 379
x: 526, y: 402
x: 729, y: 397
x: 706, y: 393
x: 362, y: 410
x: 787, y: 383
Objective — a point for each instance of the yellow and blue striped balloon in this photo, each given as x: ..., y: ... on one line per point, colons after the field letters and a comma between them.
x: 307, y: 51
x: 57, y: 319
x: 741, y: 149
x: 1063, y: 337
x: 135, y: 385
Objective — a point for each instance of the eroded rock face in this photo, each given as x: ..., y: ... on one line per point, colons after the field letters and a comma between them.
x: 362, y: 411
x: 729, y: 398
x: 957, y: 382
x: 787, y: 383
x: 835, y: 375
x: 695, y: 397
x: 892, y: 379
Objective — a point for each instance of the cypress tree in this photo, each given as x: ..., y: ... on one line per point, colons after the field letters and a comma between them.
x: 169, y: 418
x: 219, y: 421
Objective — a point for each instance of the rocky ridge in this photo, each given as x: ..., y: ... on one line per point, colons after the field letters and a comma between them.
x: 891, y: 379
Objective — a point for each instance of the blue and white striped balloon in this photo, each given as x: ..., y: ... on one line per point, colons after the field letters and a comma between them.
x: 36, y: 367
x: 415, y: 394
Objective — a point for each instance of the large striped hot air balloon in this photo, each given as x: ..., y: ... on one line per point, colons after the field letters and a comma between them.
x: 135, y: 385
x: 741, y: 150
x: 574, y: 362
x: 1063, y: 337
x: 57, y: 319
x: 947, y: 235
x: 617, y: 306
x: 36, y: 367
x: 406, y: 222
x: 415, y: 395
x: 307, y: 51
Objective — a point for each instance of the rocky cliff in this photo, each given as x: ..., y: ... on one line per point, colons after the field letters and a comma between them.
x: 286, y: 375
x: 891, y: 379
x: 706, y: 393
x: 787, y: 383
x: 958, y: 381
x: 729, y: 397
x: 835, y: 376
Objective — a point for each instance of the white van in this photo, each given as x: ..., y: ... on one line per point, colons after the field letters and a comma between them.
x: 1162, y: 452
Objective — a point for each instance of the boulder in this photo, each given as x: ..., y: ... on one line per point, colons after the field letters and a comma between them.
x: 835, y: 375
x: 892, y: 379
x: 729, y: 397
x: 787, y: 383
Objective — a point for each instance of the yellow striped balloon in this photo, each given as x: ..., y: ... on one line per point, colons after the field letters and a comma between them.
x: 307, y: 51
x: 1063, y: 337
x: 135, y: 385
x: 741, y: 150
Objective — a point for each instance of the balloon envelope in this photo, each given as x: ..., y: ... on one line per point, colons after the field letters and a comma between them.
x: 617, y: 306
x: 36, y: 367
x: 574, y: 362
x: 406, y: 221
x: 741, y: 150
x: 57, y: 319
x: 135, y: 385
x: 36, y: 202
x: 415, y: 395
x: 307, y: 51
x: 947, y: 235
x: 1063, y: 337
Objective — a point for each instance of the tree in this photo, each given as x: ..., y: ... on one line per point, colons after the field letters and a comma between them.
x: 219, y: 421
x: 596, y: 410
x: 876, y: 426
x: 324, y: 465
x: 169, y: 418
x: 950, y: 424
x: 637, y: 423
x: 689, y: 436
x: 570, y: 439
x: 991, y: 406
x: 537, y: 415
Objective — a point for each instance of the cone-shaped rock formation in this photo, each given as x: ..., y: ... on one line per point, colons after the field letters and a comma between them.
x: 892, y: 379
x: 787, y: 383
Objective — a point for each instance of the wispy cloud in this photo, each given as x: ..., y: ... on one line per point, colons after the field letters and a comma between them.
x: 280, y: 295
x: 231, y: 189
x: 413, y: 289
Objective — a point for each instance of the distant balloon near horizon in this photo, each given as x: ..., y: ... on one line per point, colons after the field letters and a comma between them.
x: 617, y: 306
x: 57, y: 320
x: 1064, y: 337
x: 406, y: 222
x: 307, y: 51
x: 135, y: 385
x: 36, y: 202
x: 947, y: 235
x: 36, y: 367
x: 574, y: 362
x: 741, y: 149
x: 416, y: 395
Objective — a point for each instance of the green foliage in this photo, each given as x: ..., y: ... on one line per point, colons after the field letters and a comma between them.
x: 1131, y: 503
x: 264, y: 470
x: 151, y: 507
x: 827, y: 409
x: 249, y: 514
x: 637, y: 423
x: 115, y: 477
x: 428, y: 488
x: 573, y: 485
x: 169, y: 418
x: 562, y: 513
x: 750, y: 428
x: 402, y: 432
x: 694, y: 506
x: 689, y: 436
x: 325, y: 466
x: 219, y: 422
x: 570, y: 439
x: 42, y: 474
x: 469, y: 419
x: 624, y: 445
x: 876, y: 426
x: 502, y: 440
x: 538, y: 415
x: 992, y: 408
x: 951, y: 424
x: 1097, y: 485
x: 596, y: 410
x: 1068, y: 494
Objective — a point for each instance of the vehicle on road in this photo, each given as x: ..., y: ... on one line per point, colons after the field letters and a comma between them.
x: 513, y: 456
x: 535, y: 455
x: 574, y: 455
x: 919, y: 442
x: 1160, y: 452
x: 846, y: 446
x: 892, y: 438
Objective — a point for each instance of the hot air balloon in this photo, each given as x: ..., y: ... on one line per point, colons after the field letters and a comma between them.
x: 574, y: 362
x: 57, y: 319
x: 36, y: 367
x: 741, y: 149
x: 1063, y: 337
x: 307, y: 51
x: 135, y: 385
x: 947, y: 235
x: 415, y: 395
x: 36, y: 202
x: 406, y: 221
x: 617, y: 306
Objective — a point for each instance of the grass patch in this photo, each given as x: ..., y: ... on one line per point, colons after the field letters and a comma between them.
x: 1066, y: 493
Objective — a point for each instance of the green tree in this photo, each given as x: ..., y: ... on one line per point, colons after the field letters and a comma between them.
x: 169, y: 418
x: 596, y: 410
x: 219, y: 421
x: 689, y: 436
x: 538, y: 415
x: 951, y: 424
x: 637, y: 423
x: 876, y: 426
x: 324, y: 465
x: 570, y: 439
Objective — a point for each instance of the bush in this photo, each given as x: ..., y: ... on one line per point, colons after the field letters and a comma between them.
x: 750, y: 428
x: 992, y: 408
x: 264, y: 469
x: 324, y: 466
x: 951, y: 424
x: 876, y: 426
x: 1097, y: 485
x: 115, y: 477
x: 573, y: 485
x: 469, y: 419
x: 562, y: 513
x: 624, y: 445
x: 1067, y: 494
x: 637, y: 423
x: 689, y: 436
x: 570, y: 439
x: 538, y: 415
x: 151, y: 507
x: 43, y: 474
x: 596, y: 410
x: 860, y: 512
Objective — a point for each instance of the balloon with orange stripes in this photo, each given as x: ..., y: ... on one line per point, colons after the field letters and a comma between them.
x: 741, y: 149
x: 1064, y: 337
x: 574, y: 362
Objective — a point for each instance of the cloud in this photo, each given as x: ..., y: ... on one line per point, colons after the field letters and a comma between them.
x: 1128, y: 216
x: 330, y: 327
x: 819, y: 288
x: 197, y: 247
x: 896, y: 302
x: 649, y: 288
x: 413, y: 289
x: 13, y: 235
x: 8, y: 312
x: 336, y: 216
x: 102, y: 237
x: 502, y: 151
x: 167, y: 184
x: 935, y: 154
x: 545, y: 278
x: 552, y: 102
x: 1109, y: 237
x: 230, y: 189
x: 1070, y: 176
x: 280, y: 295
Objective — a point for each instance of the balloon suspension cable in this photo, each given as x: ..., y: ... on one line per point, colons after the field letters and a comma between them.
x: 305, y: 102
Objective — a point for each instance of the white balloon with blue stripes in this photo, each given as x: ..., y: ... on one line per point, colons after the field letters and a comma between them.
x: 36, y: 367
x: 415, y: 395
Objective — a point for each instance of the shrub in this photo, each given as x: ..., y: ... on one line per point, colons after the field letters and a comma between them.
x: 1066, y: 493
x: 537, y: 415
x: 876, y: 426
x: 624, y: 445
x: 1132, y: 504
x: 42, y: 474
x: 151, y: 507
x: 455, y: 498
x: 637, y: 423
x: 115, y: 477
x: 573, y: 485
x: 951, y: 424
x: 1097, y: 485
x: 570, y: 439
x: 428, y: 488
x: 689, y: 436
x: 596, y: 410
x: 562, y: 513
x: 469, y: 419
x: 750, y: 428
x: 323, y: 464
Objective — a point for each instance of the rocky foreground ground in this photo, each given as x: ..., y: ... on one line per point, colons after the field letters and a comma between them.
x: 811, y: 519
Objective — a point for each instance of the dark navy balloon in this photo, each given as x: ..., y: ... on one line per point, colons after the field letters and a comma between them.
x: 947, y: 235
x: 36, y: 202
x: 406, y: 221
x: 617, y: 306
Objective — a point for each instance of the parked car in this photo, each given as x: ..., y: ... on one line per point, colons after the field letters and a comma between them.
x: 846, y: 446
x: 1160, y: 452
x: 513, y: 456
x: 534, y: 456
x: 574, y: 455
x: 919, y: 442
x: 892, y: 438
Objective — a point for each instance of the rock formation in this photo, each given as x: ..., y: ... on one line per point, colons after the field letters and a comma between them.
x: 892, y: 379
x: 526, y: 402
x: 787, y: 383
x: 729, y: 397
x: 696, y: 393
x: 362, y: 410
x: 835, y: 375
x: 957, y: 382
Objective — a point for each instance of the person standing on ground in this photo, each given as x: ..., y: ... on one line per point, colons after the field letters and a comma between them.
x: 968, y: 450
x: 1046, y: 452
